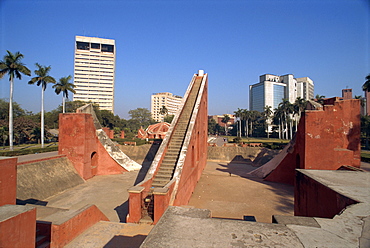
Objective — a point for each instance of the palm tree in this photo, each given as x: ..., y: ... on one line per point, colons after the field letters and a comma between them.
x: 366, y: 85
x: 267, y: 112
x: 64, y: 86
x: 239, y: 115
x: 163, y: 111
x: 287, y: 109
x: 298, y: 107
x: 42, y: 79
x: 225, y: 120
x: 12, y: 66
x: 320, y: 99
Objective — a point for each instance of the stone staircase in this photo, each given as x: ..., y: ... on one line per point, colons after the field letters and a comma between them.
x: 168, y: 165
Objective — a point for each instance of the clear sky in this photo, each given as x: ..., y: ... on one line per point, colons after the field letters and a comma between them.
x: 161, y: 44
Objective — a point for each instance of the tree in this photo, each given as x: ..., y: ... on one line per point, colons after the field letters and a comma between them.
x: 287, y: 109
x: 366, y: 85
x: 239, y: 115
x: 365, y: 129
x: 64, y: 86
x: 141, y: 116
x: 267, y: 112
x: 254, y: 117
x: 4, y: 110
x: 42, y: 79
x: 320, y: 99
x: 298, y: 107
x: 225, y: 120
x: 12, y: 65
x: 168, y: 118
x: 163, y: 111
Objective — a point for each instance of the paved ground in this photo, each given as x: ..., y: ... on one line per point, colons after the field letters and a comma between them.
x: 227, y: 190
x: 36, y: 156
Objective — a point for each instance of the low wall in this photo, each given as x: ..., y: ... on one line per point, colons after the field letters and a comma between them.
x: 229, y: 153
x: 17, y: 226
x: 8, y: 181
x: 140, y: 154
x: 65, y: 230
x: 42, y: 179
x: 313, y: 199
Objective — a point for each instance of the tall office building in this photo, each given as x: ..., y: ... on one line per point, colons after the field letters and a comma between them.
x: 272, y: 89
x: 305, y: 88
x: 168, y: 100
x: 95, y: 61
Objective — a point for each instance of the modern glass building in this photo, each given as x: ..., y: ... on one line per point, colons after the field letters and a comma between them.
x: 94, y: 69
x: 272, y: 89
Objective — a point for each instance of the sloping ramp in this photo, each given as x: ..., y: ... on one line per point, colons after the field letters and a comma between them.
x: 116, y: 154
x: 264, y: 170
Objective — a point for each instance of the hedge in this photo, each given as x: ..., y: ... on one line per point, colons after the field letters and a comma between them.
x: 8, y: 153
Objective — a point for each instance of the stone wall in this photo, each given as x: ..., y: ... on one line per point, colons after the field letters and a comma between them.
x: 42, y: 179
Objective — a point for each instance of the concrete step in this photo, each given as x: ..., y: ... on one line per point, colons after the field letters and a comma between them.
x: 41, y: 239
x: 46, y: 244
x: 163, y: 177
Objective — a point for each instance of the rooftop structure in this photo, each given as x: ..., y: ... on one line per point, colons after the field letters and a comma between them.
x: 94, y: 68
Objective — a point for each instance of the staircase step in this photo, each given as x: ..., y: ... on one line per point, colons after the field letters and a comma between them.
x: 44, y: 245
x: 40, y: 239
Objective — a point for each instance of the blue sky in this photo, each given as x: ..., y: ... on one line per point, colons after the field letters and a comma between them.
x: 161, y: 44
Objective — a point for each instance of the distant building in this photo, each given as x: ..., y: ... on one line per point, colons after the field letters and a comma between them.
x: 347, y: 94
x: 168, y: 100
x: 94, y: 68
x: 218, y: 119
x: 272, y: 89
x: 305, y: 88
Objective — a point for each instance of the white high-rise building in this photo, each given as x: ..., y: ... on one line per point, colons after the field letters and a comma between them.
x: 168, y: 100
x: 94, y: 68
x: 272, y: 89
x: 305, y: 88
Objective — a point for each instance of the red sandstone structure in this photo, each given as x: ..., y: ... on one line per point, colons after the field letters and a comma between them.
x: 86, y: 144
x: 179, y: 161
x: 328, y: 138
x: 155, y: 131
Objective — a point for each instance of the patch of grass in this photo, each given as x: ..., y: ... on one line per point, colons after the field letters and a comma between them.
x: 365, y: 156
x: 25, y: 151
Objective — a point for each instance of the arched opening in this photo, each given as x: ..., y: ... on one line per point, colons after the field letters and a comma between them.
x: 94, y: 163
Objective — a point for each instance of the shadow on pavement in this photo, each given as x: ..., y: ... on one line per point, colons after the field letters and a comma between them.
x: 125, y: 241
x: 31, y: 201
x: 147, y: 163
x: 122, y: 211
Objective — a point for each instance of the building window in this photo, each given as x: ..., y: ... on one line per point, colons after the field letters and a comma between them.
x: 107, y: 48
x: 82, y: 45
x: 95, y: 45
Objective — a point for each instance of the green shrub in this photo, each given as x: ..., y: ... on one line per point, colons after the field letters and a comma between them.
x: 26, y: 151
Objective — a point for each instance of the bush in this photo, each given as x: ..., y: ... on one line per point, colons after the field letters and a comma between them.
x: 237, y: 140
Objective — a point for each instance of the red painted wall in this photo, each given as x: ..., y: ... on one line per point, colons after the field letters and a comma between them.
x: 64, y: 233
x: 8, y: 181
x: 19, y: 231
x: 196, y: 156
x: 326, y: 140
x: 313, y: 199
x: 78, y: 141
x: 109, y: 132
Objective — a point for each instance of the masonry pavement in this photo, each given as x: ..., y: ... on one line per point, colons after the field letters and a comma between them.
x: 227, y: 190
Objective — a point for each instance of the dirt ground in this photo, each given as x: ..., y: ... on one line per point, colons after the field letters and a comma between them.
x: 227, y: 190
